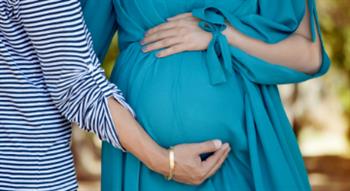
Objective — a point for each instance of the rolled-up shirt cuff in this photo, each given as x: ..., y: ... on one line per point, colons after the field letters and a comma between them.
x: 108, y: 90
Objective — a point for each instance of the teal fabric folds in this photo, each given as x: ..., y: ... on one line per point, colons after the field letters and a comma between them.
x: 222, y: 92
x: 270, y: 22
x: 101, y: 20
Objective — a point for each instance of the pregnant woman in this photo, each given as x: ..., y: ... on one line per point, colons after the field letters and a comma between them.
x: 211, y: 71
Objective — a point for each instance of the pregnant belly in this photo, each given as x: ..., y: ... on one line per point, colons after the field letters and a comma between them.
x: 174, y: 100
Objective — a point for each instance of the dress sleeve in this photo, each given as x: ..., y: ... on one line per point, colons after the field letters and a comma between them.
x: 100, y: 18
x: 270, y: 21
x: 72, y: 73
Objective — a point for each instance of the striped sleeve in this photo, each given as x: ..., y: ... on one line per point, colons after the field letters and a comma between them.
x: 72, y: 72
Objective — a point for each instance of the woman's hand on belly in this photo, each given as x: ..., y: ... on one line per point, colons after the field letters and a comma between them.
x: 181, y: 33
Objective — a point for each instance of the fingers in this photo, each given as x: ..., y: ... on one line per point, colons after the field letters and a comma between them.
x: 212, y: 164
x: 174, y: 22
x: 191, y: 169
x: 172, y: 50
x: 165, y: 43
x: 213, y: 159
x: 180, y: 16
x: 164, y: 26
x: 208, y: 146
x: 159, y: 36
x: 218, y: 164
x: 181, y: 33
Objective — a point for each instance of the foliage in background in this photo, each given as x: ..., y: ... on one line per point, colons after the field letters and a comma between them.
x: 111, y: 56
x: 335, y: 23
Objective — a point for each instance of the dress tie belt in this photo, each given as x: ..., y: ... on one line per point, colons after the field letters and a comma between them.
x: 218, y: 58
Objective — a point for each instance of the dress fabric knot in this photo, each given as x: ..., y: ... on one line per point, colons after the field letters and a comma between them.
x: 219, y: 62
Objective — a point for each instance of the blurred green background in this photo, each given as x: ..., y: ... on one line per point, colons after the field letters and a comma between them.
x: 318, y: 109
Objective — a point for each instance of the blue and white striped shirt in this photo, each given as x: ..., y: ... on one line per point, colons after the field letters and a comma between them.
x: 49, y: 77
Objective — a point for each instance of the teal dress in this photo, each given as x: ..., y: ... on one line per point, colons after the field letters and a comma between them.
x: 221, y: 93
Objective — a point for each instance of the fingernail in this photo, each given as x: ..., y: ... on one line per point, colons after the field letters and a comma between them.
x: 144, y: 49
x: 142, y: 42
x: 226, y: 146
x: 217, y: 144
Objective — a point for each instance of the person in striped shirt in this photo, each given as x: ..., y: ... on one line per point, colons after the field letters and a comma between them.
x: 50, y: 77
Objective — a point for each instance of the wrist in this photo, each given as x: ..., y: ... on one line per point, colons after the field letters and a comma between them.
x: 231, y: 34
x: 159, y: 161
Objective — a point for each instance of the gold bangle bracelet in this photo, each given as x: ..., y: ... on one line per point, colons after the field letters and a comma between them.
x: 171, y: 163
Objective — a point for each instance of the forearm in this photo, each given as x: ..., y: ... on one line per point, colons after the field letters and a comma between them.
x: 136, y: 141
x: 296, y: 51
